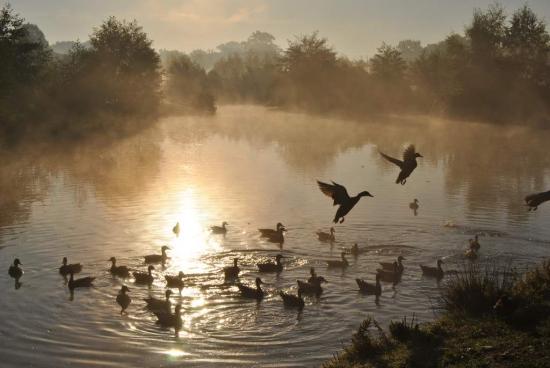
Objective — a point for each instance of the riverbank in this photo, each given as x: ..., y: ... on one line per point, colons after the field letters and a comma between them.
x: 508, y: 325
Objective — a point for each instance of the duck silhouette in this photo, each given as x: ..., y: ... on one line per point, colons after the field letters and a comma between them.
x: 15, y: 271
x: 175, y: 281
x: 341, y: 197
x: 219, y: 229
x: 293, y: 301
x: 79, y: 283
x: 167, y: 319
x: 326, y: 237
x: 232, y: 272
x: 436, y: 272
x: 157, y: 258
x: 250, y: 292
x: 408, y: 164
x: 156, y: 305
x: 67, y: 268
x: 342, y: 263
x: 176, y: 229
x: 265, y: 233
x: 123, y: 299
x: 368, y: 288
x: 144, y: 278
x: 120, y: 271
x: 533, y: 201
x: 272, y: 267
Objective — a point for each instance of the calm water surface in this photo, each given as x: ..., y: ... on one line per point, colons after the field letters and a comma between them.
x: 251, y: 167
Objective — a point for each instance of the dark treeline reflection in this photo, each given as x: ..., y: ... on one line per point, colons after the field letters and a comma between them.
x: 497, y: 70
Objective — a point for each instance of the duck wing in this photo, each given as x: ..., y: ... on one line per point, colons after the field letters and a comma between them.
x: 392, y: 160
x: 409, y: 154
x: 335, y: 191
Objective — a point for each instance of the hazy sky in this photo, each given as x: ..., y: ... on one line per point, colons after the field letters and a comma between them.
x: 356, y: 28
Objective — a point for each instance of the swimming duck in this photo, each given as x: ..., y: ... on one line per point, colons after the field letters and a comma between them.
x: 219, y: 229
x: 354, y: 250
x: 175, y: 281
x: 66, y: 269
x: 392, y: 275
x: 341, y: 197
x: 167, y: 319
x: 312, y: 275
x: 311, y: 287
x: 79, y: 283
x: 15, y: 271
x: 343, y: 263
x: 232, y: 272
x: 390, y: 266
x: 408, y: 164
x: 470, y: 254
x: 474, y: 244
x: 272, y: 267
x: 370, y: 289
x: 120, y: 271
x: 293, y: 301
x: 414, y: 205
x: 156, y: 305
x: 157, y: 258
x: 534, y: 200
x: 144, y: 278
x: 250, y: 292
x: 278, y: 236
x: 265, y: 233
x: 433, y: 271
x: 123, y: 299
x: 326, y: 236
x: 176, y: 229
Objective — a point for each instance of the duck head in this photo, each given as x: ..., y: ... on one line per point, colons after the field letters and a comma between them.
x: 312, y: 271
x: 112, y: 260
x: 259, y: 282
x: 124, y: 289
x: 439, y: 263
x: 180, y: 275
x: 178, y: 309
x: 418, y: 155
x: 167, y: 294
x: 416, y: 201
x: 343, y: 255
x: 64, y: 261
x: 235, y: 260
x: 332, y: 231
x: 400, y: 259
x: 365, y: 194
x: 279, y: 225
x: 224, y: 224
x: 16, y: 262
x: 150, y: 268
x: 321, y: 279
x: 164, y: 248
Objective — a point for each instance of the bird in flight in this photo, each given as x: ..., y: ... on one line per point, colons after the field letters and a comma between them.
x: 408, y: 164
x: 341, y: 197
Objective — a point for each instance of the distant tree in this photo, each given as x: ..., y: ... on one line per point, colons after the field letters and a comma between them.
x: 410, y: 50
x: 527, y: 43
x: 388, y: 64
x: 487, y: 33
x: 261, y: 45
x: 187, y: 85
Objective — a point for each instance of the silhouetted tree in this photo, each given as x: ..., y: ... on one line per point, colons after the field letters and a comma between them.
x: 410, y: 50
x: 388, y: 64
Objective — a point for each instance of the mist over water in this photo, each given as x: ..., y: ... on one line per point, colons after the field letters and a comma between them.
x: 252, y: 167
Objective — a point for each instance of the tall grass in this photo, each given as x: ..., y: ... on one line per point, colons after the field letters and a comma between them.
x: 475, y: 289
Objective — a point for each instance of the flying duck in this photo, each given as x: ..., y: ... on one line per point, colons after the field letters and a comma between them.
x: 176, y: 229
x: 120, y: 271
x: 79, y: 283
x: 123, y: 299
x: 232, y: 272
x: 250, y: 292
x: 325, y: 237
x: 15, y: 271
x: 343, y: 263
x: 175, y: 281
x: 144, y: 278
x: 534, y: 200
x: 66, y: 269
x: 341, y: 197
x: 156, y: 305
x: 370, y: 289
x: 265, y: 233
x: 293, y: 301
x: 390, y: 266
x: 272, y: 267
x: 157, y: 258
x: 167, y: 319
x: 433, y: 271
x: 219, y: 229
x: 311, y: 287
x: 408, y: 164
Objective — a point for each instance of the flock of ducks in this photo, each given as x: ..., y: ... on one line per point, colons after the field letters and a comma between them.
x: 388, y: 271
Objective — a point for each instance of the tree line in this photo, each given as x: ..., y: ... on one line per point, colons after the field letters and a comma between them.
x: 498, y: 70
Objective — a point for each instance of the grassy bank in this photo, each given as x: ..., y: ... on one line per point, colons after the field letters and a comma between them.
x: 492, y: 317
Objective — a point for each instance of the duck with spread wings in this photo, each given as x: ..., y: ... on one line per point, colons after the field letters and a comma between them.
x: 341, y: 197
x: 408, y: 164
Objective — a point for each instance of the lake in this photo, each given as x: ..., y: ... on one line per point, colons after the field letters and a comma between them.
x: 252, y: 167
